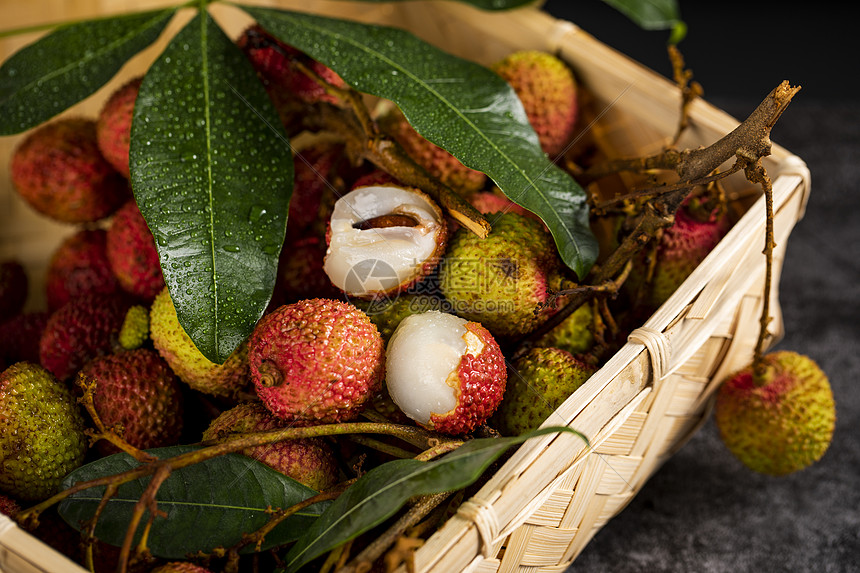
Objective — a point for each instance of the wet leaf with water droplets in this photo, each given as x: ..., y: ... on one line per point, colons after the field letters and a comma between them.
x: 197, y: 207
x: 64, y: 67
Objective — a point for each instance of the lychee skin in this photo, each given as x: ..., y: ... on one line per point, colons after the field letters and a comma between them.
x: 538, y: 383
x: 181, y: 567
x: 575, y: 334
x: 113, y: 126
x: 500, y: 280
x: 309, y: 461
x: 300, y: 272
x: 13, y: 288
x: 8, y: 506
x: 84, y: 328
x: 19, y: 336
x: 548, y: 91
x: 190, y: 365
x: 60, y: 171
x: 315, y: 178
x: 132, y: 254
x: 316, y: 361
x: 785, y: 423
x: 137, y: 390
x: 79, y: 265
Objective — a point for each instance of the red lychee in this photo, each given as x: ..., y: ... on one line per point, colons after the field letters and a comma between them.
x: 79, y: 266
x: 316, y: 360
x: 315, y: 182
x: 19, y: 336
x: 84, y: 328
x: 300, y: 272
x: 444, y: 372
x: 113, y: 127
x: 132, y: 253
x: 310, y: 461
x: 548, y: 91
x: 60, y: 171
x: 137, y: 390
x: 13, y: 288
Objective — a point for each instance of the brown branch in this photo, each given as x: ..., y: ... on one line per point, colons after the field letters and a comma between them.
x: 147, y: 501
x: 690, y: 91
x: 757, y: 173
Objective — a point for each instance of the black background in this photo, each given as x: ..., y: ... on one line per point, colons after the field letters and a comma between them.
x: 704, y: 511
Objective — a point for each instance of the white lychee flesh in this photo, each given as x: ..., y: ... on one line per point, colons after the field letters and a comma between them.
x: 422, y: 358
x: 367, y: 261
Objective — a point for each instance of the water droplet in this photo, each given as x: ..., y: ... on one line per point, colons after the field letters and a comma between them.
x: 256, y: 212
x: 231, y: 248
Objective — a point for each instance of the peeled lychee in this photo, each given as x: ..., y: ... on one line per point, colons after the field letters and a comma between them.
x: 500, y: 280
x: 60, y: 171
x: 132, y: 253
x: 190, y: 365
x: 383, y: 239
x: 444, y: 372
x: 547, y: 89
x: 13, y: 288
x: 310, y: 461
x: 430, y: 156
x: 781, y: 423
x: 113, y: 127
x: 538, y: 383
x: 41, y: 432
x: 79, y: 265
x: 138, y: 391
x: 316, y: 361
x: 85, y: 327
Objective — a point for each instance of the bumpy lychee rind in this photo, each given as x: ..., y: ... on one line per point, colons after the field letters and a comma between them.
x: 20, y: 335
x: 500, y: 280
x: 8, y: 505
x: 84, y: 328
x: 538, y: 383
x: 13, y: 288
x: 171, y: 341
x: 482, y: 380
x: 60, y: 171
x: 386, y: 314
x: 138, y: 391
x: 575, y: 334
x: 316, y: 360
x: 782, y: 425
x: 113, y: 126
x: 309, y: 460
x: 131, y: 252
x: 300, y: 271
x: 135, y: 328
x: 41, y: 432
x: 79, y: 265
x: 181, y: 567
x: 547, y: 88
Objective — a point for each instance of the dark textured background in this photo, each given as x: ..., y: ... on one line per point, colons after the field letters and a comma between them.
x: 703, y: 511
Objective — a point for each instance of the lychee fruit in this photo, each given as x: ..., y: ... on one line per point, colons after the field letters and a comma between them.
x: 132, y: 253
x: 538, y: 383
x: 781, y: 422
x: 316, y: 182
x: 547, y: 89
x: 41, y: 432
x: 13, y: 288
x: 181, y: 567
x: 575, y: 333
x: 316, y: 361
x: 436, y: 160
x: 85, y: 327
x: 501, y: 280
x: 387, y: 313
x: 310, y: 461
x: 19, y: 336
x: 60, y: 171
x: 135, y: 328
x: 138, y: 391
x: 225, y: 380
x: 446, y: 373
x: 79, y: 265
x: 113, y: 126
x: 488, y: 202
x: 300, y: 272
x: 383, y: 239
x: 8, y: 505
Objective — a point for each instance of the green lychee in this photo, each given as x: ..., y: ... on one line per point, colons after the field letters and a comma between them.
x: 446, y: 373
x: 131, y: 251
x: 575, y: 334
x: 547, y: 89
x: 316, y: 360
x: 13, y: 288
x: 171, y: 341
x: 538, y: 383
x: 60, y: 171
x: 310, y: 461
x: 387, y: 314
x: 500, y: 280
x: 113, y: 126
x: 135, y: 328
x: 138, y: 391
x: 41, y: 432
x: 781, y: 423
x: 79, y: 265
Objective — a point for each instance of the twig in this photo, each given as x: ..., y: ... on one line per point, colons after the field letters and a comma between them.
x: 689, y: 90
x: 757, y: 173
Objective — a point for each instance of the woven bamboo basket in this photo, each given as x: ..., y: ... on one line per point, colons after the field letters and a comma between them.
x: 540, y: 509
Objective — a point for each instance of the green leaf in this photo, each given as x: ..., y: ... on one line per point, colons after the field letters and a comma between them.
x: 653, y: 15
x: 209, y: 504
x: 482, y: 4
x: 379, y: 493
x: 459, y: 105
x: 64, y: 67
x: 212, y: 173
